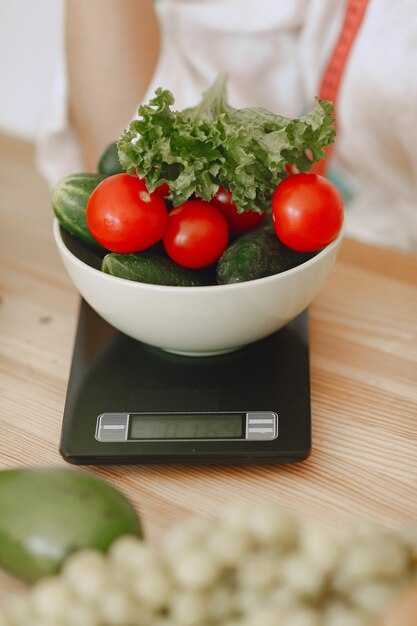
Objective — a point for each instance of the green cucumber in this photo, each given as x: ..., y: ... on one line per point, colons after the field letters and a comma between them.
x: 256, y: 255
x: 48, y: 513
x: 146, y: 267
x: 69, y: 202
x: 109, y: 163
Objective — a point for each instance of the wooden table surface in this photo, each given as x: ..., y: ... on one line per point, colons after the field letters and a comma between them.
x: 363, y: 327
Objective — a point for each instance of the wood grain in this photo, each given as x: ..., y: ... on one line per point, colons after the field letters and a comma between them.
x: 363, y: 366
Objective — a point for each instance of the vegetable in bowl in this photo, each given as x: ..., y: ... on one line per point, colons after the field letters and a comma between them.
x: 176, y: 166
x: 192, y: 183
x: 246, y: 151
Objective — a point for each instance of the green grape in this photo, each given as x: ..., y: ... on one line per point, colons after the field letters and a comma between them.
x: 253, y: 567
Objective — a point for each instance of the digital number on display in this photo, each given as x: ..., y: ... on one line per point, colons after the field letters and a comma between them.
x: 225, y: 426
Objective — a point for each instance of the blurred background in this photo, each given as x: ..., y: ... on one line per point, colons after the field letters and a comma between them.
x: 30, y: 40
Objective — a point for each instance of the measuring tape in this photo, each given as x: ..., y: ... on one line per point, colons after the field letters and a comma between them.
x: 332, y: 77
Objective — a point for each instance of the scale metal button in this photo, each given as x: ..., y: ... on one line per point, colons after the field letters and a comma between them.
x: 261, y: 425
x: 112, y: 427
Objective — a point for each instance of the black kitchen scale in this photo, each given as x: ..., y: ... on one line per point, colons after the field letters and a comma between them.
x: 128, y: 402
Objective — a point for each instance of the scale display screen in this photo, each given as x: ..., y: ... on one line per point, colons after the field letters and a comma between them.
x: 150, y: 428
x: 188, y: 426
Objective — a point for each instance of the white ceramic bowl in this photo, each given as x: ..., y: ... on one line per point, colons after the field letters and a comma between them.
x: 197, y: 320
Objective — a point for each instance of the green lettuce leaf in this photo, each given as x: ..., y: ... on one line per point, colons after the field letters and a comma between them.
x: 244, y: 150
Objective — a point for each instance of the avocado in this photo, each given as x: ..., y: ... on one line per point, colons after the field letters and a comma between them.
x: 46, y: 514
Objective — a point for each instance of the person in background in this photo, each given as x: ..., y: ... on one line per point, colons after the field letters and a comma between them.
x: 279, y: 55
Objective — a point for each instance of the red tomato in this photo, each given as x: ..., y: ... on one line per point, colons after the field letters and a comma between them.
x: 197, y: 234
x: 162, y: 190
x: 238, y: 222
x: 307, y: 211
x: 123, y: 216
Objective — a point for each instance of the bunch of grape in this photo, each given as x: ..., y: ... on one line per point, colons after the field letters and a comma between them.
x: 254, y: 567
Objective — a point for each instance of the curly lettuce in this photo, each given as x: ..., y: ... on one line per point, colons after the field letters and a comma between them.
x: 244, y: 150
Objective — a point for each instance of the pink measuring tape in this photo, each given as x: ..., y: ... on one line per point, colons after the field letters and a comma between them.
x: 333, y: 74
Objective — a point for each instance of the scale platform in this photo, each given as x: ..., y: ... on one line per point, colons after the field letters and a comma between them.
x: 128, y: 402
